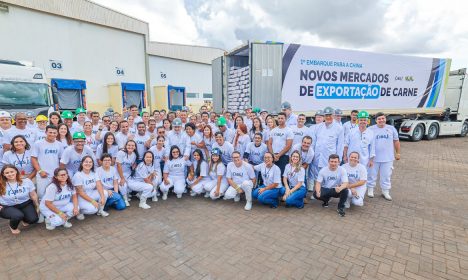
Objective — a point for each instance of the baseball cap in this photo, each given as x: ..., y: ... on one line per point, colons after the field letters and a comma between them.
x: 177, y: 122
x: 216, y: 151
x: 363, y: 115
x: 5, y: 114
x: 67, y: 115
x: 328, y: 111
x: 79, y: 135
x: 285, y: 105
x: 80, y: 110
x: 41, y: 118
x: 221, y: 121
x: 338, y: 112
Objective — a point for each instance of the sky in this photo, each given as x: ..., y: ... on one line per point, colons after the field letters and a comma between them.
x: 411, y: 27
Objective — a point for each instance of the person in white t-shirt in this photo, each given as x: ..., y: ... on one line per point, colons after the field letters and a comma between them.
x: 60, y: 202
x: 255, y: 150
x: 125, y: 162
x: 217, y: 183
x: 19, y: 129
x: 272, y: 188
x: 300, y: 130
x: 241, y: 179
x: 293, y: 180
x: 357, y: 177
x: 198, y: 173
x: 73, y: 155
x: 145, y: 180
x: 108, y: 146
x: 123, y: 135
x: 20, y: 156
x: 110, y: 183
x: 280, y: 142
x: 174, y: 173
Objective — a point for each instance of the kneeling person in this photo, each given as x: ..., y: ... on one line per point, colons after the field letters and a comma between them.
x: 357, y: 177
x: 271, y: 189
x: 241, y: 178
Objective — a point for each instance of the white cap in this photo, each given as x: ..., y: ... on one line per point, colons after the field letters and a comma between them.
x: 5, y: 114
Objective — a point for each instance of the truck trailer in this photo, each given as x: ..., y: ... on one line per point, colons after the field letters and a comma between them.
x: 420, y: 95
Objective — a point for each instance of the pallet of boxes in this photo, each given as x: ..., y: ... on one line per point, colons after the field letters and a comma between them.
x: 238, y: 91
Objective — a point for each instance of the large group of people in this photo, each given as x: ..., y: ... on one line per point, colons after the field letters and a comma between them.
x: 72, y: 164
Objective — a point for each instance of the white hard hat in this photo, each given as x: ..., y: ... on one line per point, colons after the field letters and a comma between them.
x: 5, y: 114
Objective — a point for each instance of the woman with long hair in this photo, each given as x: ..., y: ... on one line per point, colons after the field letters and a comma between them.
x: 198, y: 173
x: 64, y: 135
x: 108, y: 146
x: 217, y: 183
x: 257, y: 127
x: 167, y: 125
x: 20, y: 156
x: 241, y: 139
x: 237, y: 121
x: 60, y: 202
x: 174, y: 173
x: 126, y: 162
x: 271, y: 123
x: 90, y: 137
x: 18, y: 198
x: 113, y: 128
x: 208, y: 139
x: 158, y: 152
x: 293, y: 180
x: 145, y: 180
x: 91, y: 196
x: 55, y: 119
x: 110, y: 183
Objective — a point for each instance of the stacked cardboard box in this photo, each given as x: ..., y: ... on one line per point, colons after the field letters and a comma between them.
x: 238, y: 92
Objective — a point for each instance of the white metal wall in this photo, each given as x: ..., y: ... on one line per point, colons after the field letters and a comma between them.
x: 195, y: 77
x: 88, y: 52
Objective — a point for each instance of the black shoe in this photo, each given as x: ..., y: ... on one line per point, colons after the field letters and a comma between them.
x: 325, y: 204
x: 341, y: 212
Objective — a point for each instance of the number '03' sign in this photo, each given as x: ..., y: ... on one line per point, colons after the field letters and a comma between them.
x: 119, y: 71
x: 56, y: 65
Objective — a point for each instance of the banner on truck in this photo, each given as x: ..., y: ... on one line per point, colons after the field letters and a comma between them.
x: 315, y: 77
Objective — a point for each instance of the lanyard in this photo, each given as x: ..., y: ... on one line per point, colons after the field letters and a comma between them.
x: 267, y: 172
x: 16, y: 192
x: 22, y: 159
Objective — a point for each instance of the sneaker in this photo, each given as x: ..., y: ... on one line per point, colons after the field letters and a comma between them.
x: 370, y: 192
x: 179, y: 195
x: 192, y: 193
x: 386, y: 195
x: 155, y: 198
x: 127, y: 203
x: 312, y: 197
x: 103, y: 213
x: 325, y: 204
x: 347, y: 203
x: 248, y: 206
x: 144, y: 205
x: 41, y: 219
x: 165, y: 196
x: 67, y: 224
x: 49, y: 226
x: 80, y: 217
x: 207, y: 194
x: 341, y: 212
x: 237, y: 198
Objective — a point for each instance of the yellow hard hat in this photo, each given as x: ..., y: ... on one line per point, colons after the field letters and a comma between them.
x: 41, y: 118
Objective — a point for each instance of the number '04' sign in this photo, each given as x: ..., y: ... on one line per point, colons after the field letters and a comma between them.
x: 56, y: 65
x: 119, y: 71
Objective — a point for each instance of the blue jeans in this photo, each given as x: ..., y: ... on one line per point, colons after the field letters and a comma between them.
x: 116, y: 201
x: 296, y: 199
x: 268, y: 197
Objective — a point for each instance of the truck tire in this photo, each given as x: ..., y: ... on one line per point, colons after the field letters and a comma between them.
x: 418, y: 133
x: 464, y: 129
x: 432, y: 132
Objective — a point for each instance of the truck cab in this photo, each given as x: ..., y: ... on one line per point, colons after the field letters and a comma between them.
x: 23, y: 89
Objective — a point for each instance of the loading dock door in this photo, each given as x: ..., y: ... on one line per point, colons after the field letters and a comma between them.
x: 133, y: 94
x: 70, y: 93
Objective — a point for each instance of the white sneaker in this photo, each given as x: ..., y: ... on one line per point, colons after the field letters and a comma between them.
x: 179, y: 195
x: 370, y: 192
x: 41, y: 219
x: 165, y: 196
x: 207, y: 194
x: 192, y: 193
x: 125, y: 198
x: 386, y: 195
x: 67, y: 224
x: 237, y: 198
x: 103, y: 213
x: 248, y: 206
x: 80, y: 217
x: 312, y: 197
x: 144, y: 205
x: 347, y: 203
x: 127, y: 203
x: 49, y: 227
x: 155, y: 198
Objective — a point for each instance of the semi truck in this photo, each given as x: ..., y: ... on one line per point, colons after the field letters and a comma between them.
x: 24, y: 89
x: 419, y: 95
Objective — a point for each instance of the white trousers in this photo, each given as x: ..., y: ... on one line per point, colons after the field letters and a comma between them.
x: 358, y: 200
x: 87, y: 207
x: 147, y: 190
x: 55, y: 219
x: 384, y: 169
x: 246, y: 186
x: 210, y: 186
x: 177, y: 182
x: 199, y: 187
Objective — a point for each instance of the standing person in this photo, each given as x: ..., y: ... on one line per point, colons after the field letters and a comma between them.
x: 145, y: 180
x: 208, y: 139
x: 217, y: 183
x: 198, y: 173
x: 64, y: 136
x: 134, y: 113
x: 41, y: 123
x: 142, y: 139
x: 329, y: 139
x: 196, y: 141
x: 18, y: 198
x: 167, y: 125
x: 318, y: 120
x: 255, y: 150
x: 387, y: 149
x: 271, y: 123
x: 60, y: 202
x: 67, y: 118
x: 227, y: 133
x: 110, y: 183
x: 19, y: 129
x: 280, y: 142
x: 5, y: 125
x: 174, y: 173
x: 90, y: 140
x: 158, y: 152
x: 30, y: 120
x: 20, y: 156
x: 108, y: 146
x: 293, y: 180
x: 257, y: 127
x: 352, y: 123
x: 54, y: 119
x: 361, y: 140
x: 291, y: 118
x: 271, y: 190
x: 242, y: 139
x: 357, y: 177
x: 73, y: 155
x: 225, y: 147
x: 95, y: 121
x: 300, y: 130
x: 332, y: 181
x: 123, y: 135
x: 126, y: 162
x: 307, y: 156
x: 80, y: 114
x: 91, y: 195
x: 241, y: 179
x: 338, y: 115
x: 179, y: 138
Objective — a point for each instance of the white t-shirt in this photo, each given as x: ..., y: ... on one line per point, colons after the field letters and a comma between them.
x: 240, y: 174
x: 87, y: 181
x: 143, y: 171
x: 299, y: 133
x: 293, y: 176
x: 279, y: 137
x: 108, y: 177
x: 256, y: 153
x: 40, y: 135
x: 140, y: 141
x: 306, y: 156
x: 91, y: 141
x: 203, y: 168
x: 16, y: 194
x: 332, y: 179
x: 226, y: 149
x: 61, y: 198
x: 197, y: 140
x: 242, y: 142
x: 126, y: 161
x: 357, y: 173
x: 72, y: 159
x: 112, y: 150
x: 121, y: 139
x: 269, y: 175
x: 220, y: 170
x: 158, y: 156
x: 28, y: 133
x: 384, y: 148
x: 48, y: 155
x: 176, y: 167
x: 21, y: 161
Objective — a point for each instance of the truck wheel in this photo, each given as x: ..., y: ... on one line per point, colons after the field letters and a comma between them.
x: 418, y: 133
x: 464, y: 129
x: 432, y: 132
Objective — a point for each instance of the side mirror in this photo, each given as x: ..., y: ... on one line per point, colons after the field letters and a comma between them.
x: 55, y: 98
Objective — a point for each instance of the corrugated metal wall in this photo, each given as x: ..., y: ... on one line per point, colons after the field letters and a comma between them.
x: 217, y: 83
x: 266, y: 65
x: 198, y: 54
